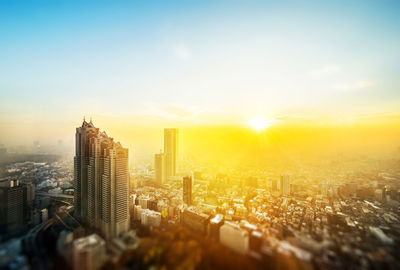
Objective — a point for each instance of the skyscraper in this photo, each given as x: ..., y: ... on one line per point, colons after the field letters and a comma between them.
x: 187, y: 190
x: 101, y: 179
x: 160, y: 169
x: 171, y: 149
x: 285, y: 184
x: 81, y: 162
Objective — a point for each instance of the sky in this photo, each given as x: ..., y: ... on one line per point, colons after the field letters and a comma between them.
x: 194, y: 62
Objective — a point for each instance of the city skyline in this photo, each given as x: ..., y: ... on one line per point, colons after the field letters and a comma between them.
x: 215, y: 134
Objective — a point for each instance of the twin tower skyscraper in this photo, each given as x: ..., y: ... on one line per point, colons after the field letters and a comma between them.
x: 101, y: 181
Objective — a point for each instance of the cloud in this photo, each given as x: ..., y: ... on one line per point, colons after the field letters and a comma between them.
x: 182, y: 52
x: 324, y: 71
x: 354, y: 85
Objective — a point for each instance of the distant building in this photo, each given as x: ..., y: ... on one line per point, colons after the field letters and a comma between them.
x: 44, y: 213
x: 13, y: 205
x: 101, y: 180
x: 285, y: 184
x: 160, y: 168
x: 171, y: 149
x: 379, y: 195
x: 324, y: 188
x: 351, y: 189
x: 274, y: 185
x: 89, y: 252
x: 187, y: 190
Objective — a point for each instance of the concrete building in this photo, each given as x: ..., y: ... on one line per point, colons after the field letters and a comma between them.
x: 101, y: 180
x: 12, y: 205
x: 160, y: 168
x: 285, y: 184
x: 195, y: 221
x: 171, y: 147
x: 234, y: 237
x: 150, y: 218
x: 81, y: 163
x: 187, y: 190
x: 88, y: 252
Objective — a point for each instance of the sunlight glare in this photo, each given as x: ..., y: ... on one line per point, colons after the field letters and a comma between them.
x: 259, y: 124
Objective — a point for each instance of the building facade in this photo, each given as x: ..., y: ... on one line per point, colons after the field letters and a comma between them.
x: 285, y: 184
x: 12, y: 206
x: 160, y: 168
x: 101, y: 178
x: 171, y: 147
x: 187, y: 190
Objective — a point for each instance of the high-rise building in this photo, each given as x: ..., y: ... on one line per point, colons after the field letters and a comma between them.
x: 81, y: 163
x: 285, y: 184
x: 102, y: 181
x: 274, y: 185
x: 187, y: 190
x: 89, y: 252
x: 12, y: 206
x: 171, y: 149
x: 160, y: 169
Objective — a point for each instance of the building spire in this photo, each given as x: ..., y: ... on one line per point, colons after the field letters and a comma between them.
x: 84, y: 119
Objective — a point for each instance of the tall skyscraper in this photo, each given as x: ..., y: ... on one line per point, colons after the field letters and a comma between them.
x: 101, y: 179
x: 160, y: 168
x: 187, y: 190
x: 81, y: 162
x: 171, y: 149
x: 285, y: 184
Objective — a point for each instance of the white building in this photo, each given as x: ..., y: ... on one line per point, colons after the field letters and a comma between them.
x: 234, y: 237
x: 150, y: 218
x: 88, y: 252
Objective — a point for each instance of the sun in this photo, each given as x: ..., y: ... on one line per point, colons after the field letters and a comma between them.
x: 259, y: 124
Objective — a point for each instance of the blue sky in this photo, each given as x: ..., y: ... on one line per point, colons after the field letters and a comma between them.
x: 197, y: 61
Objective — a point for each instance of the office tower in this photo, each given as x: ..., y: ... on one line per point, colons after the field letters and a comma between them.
x: 89, y: 252
x: 285, y: 184
x: 81, y: 162
x: 115, y: 192
x: 171, y: 149
x: 102, y: 181
x: 324, y: 188
x: 160, y: 169
x: 12, y: 206
x: 187, y: 190
x: 274, y: 185
x: 29, y: 198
